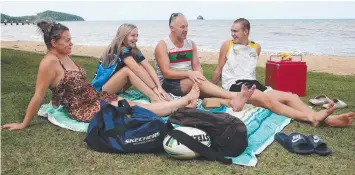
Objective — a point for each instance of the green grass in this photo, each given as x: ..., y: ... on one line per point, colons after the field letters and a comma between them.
x: 43, y: 148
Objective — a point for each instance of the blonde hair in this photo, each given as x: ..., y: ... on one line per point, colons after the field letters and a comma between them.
x: 108, y: 58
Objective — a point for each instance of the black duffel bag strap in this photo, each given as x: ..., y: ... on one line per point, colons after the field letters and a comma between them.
x: 198, y: 147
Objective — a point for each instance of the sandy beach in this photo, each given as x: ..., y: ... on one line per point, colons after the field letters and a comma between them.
x: 330, y: 64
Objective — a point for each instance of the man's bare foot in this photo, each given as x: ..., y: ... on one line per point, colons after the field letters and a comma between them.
x: 322, y: 115
x: 242, y: 97
x: 192, y: 103
x: 342, y: 120
x: 194, y: 93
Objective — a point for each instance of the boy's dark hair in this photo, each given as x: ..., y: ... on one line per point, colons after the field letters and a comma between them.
x: 245, y: 23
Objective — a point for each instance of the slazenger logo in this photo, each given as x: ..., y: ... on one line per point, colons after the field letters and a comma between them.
x: 296, y: 138
x: 142, y: 139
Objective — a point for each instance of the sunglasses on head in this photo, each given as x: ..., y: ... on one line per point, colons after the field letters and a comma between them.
x: 173, y: 15
x: 56, y: 24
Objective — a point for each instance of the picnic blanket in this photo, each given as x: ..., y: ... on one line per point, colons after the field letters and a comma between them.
x: 262, y: 124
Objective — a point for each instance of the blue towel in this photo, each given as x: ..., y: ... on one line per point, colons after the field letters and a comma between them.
x: 262, y: 126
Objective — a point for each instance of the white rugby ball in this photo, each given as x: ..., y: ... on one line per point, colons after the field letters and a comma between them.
x: 177, y: 150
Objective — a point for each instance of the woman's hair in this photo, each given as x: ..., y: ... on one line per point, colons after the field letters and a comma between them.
x: 108, y: 58
x: 51, y: 31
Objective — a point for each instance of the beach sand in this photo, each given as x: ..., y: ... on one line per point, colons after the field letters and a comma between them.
x: 330, y: 64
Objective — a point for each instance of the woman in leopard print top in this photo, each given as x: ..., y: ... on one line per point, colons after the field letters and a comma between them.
x: 69, y: 85
x: 77, y: 96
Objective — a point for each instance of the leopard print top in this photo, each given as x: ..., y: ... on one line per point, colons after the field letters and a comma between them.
x: 78, y: 97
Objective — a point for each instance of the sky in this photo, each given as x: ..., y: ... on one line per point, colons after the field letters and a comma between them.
x: 210, y: 10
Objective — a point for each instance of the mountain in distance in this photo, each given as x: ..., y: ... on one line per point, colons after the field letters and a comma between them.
x: 58, y: 16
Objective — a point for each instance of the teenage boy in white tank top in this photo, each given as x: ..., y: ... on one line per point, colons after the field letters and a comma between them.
x: 236, y: 66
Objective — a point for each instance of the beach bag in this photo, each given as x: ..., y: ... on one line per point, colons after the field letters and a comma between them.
x: 112, y: 131
x: 228, y: 134
x: 102, y: 74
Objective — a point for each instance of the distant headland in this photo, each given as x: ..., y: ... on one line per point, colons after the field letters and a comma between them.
x: 58, y: 16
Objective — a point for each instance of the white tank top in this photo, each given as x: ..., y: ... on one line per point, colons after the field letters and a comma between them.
x: 180, y: 58
x: 240, y: 64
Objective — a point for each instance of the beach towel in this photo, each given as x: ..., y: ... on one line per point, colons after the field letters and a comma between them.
x: 59, y: 117
x: 262, y: 124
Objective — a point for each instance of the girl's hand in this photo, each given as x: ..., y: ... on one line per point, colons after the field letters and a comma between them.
x: 163, y: 95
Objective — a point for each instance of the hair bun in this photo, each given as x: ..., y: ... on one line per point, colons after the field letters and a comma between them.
x: 45, y: 26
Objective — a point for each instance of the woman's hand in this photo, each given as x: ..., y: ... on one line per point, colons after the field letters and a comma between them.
x: 163, y: 95
x: 13, y: 126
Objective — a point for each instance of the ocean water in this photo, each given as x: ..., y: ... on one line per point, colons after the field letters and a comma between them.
x: 307, y: 37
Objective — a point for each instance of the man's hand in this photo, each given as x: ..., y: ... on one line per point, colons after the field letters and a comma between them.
x: 196, y: 76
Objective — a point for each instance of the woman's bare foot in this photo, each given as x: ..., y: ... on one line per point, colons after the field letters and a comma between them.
x: 322, y: 115
x: 342, y: 120
x: 241, y: 98
x: 194, y: 93
x: 192, y: 103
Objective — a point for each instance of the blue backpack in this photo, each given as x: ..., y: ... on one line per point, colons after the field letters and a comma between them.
x: 112, y: 131
x: 102, y: 74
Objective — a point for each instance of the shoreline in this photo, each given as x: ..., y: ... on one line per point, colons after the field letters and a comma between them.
x: 339, y: 65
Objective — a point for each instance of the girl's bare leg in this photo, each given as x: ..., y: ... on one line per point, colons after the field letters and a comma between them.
x: 166, y: 108
x: 124, y: 76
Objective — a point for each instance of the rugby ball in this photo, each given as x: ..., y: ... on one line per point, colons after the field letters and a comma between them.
x: 177, y: 150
